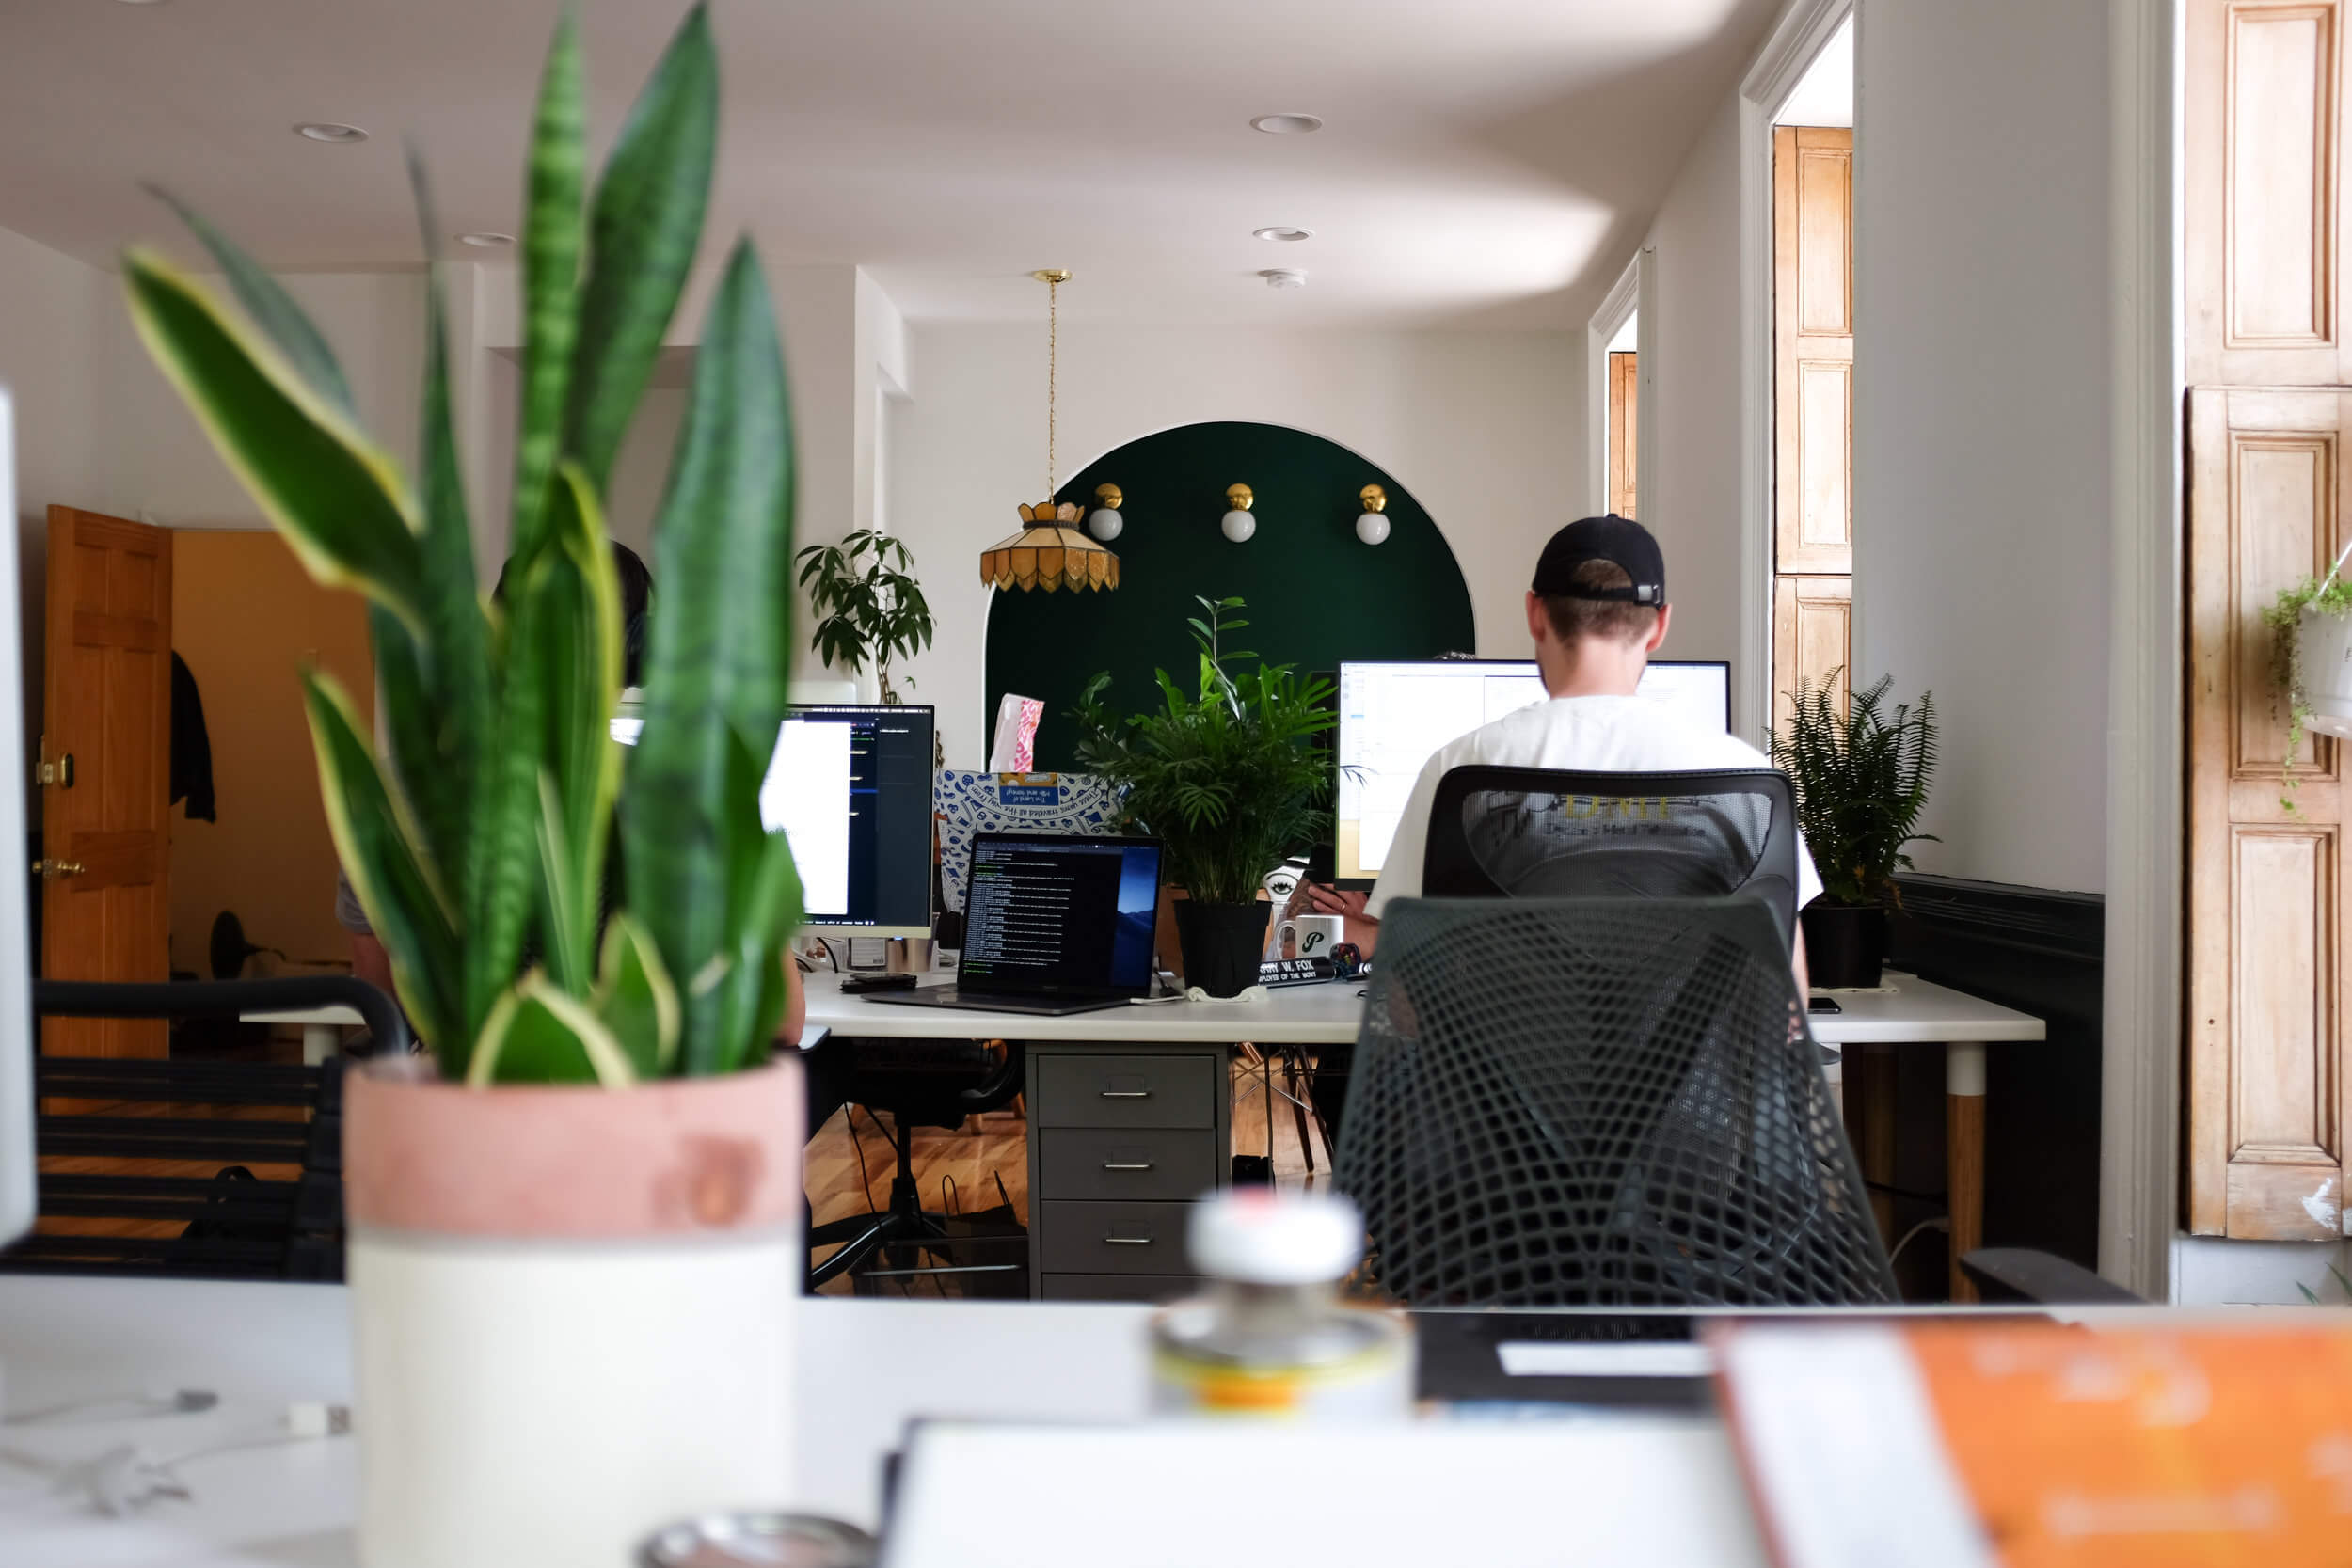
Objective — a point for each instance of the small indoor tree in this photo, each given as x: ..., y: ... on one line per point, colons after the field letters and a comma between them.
x: 870, y: 608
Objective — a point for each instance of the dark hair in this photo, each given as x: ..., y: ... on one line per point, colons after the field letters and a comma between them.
x: 636, y: 602
x: 1616, y: 620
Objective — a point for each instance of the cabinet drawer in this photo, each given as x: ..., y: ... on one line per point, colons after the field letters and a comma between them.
x: 1174, y: 1163
x: 1124, y: 1091
x: 1112, y: 1238
x: 1152, y: 1287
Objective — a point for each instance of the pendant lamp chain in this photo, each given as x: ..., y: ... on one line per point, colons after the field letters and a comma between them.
x: 1053, y: 369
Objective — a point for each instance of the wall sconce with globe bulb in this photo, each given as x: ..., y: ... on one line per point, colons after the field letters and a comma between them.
x: 1237, y: 522
x: 1372, y: 525
x: 1105, y: 522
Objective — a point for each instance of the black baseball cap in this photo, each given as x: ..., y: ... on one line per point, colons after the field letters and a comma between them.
x: 1620, y: 541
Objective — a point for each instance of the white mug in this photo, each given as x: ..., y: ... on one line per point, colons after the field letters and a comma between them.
x: 1309, y: 936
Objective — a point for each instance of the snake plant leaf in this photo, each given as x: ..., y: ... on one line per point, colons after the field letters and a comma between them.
x: 644, y: 231
x: 456, y: 679
x: 718, y: 652
x: 539, y: 1034
x: 505, y: 846
x: 577, y: 607
x: 404, y: 904
x: 337, y: 498
x: 635, y: 998
x: 554, y: 236
x: 271, y: 307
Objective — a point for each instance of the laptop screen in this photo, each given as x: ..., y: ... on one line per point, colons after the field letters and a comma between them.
x: 1060, y: 916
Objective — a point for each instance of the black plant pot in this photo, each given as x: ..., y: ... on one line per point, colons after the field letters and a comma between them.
x: 1222, y: 943
x: 1845, y: 944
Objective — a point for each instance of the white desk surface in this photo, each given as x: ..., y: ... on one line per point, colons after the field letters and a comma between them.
x: 866, y: 1367
x: 1915, y: 1012
x: 332, y: 1013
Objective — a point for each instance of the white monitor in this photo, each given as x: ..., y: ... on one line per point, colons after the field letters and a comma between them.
x: 852, y: 785
x: 17, y: 1163
x: 1394, y: 716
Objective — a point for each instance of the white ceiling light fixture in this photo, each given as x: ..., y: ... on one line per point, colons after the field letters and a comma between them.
x: 1287, y: 124
x: 485, y: 239
x: 1284, y: 233
x: 1284, y: 278
x: 330, y: 131
x: 142, y: 1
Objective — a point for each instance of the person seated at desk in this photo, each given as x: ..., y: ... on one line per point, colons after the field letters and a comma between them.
x: 1598, y: 610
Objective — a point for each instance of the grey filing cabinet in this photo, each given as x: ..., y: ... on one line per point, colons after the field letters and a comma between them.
x: 1123, y: 1138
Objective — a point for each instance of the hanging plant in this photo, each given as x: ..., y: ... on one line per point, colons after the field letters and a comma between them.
x: 2289, y: 616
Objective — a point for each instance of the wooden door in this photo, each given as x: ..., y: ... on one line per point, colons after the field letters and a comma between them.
x: 1624, y: 411
x: 1812, y: 636
x: 1812, y: 410
x: 2266, y: 899
x: 2262, y: 153
x: 105, y: 905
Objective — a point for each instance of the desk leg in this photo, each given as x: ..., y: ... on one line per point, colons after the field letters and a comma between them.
x: 320, y: 1041
x: 1868, y: 1072
x: 1963, y: 1154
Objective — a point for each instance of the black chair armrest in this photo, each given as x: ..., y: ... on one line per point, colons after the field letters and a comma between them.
x: 2020, y: 1274
x: 230, y: 998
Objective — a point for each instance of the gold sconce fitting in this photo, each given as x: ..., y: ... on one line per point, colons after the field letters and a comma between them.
x: 1239, y: 496
x: 1374, y: 498
x: 1237, y: 522
x: 1371, y: 524
x: 1111, y: 496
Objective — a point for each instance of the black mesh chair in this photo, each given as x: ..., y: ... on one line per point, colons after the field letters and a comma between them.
x: 1602, y: 1102
x: 113, y: 1217
x: 1534, y: 832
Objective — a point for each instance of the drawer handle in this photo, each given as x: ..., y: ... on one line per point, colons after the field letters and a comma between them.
x: 1111, y: 1164
x: 1126, y: 1094
x: 1126, y: 1240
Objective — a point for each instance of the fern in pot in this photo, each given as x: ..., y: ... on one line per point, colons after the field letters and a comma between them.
x: 1232, y: 775
x: 575, y: 1248
x: 1861, y: 773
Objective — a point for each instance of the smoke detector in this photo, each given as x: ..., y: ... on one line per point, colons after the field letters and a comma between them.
x: 1284, y: 278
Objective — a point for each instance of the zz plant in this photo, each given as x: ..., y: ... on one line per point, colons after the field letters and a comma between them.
x: 1861, y: 778
x: 1230, y: 776
x: 480, y: 834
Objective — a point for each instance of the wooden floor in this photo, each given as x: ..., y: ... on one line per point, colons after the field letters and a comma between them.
x: 957, y: 1171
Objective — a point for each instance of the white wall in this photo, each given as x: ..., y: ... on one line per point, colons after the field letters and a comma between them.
x: 1981, y: 373
x: 1484, y: 429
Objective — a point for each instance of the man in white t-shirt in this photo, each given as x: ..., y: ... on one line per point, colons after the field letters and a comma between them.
x: 1598, y: 610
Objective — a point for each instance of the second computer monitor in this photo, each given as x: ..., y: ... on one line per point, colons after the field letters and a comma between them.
x: 1395, y: 716
x: 851, y: 784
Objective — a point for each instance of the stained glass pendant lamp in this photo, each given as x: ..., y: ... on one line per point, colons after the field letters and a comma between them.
x: 1050, y: 550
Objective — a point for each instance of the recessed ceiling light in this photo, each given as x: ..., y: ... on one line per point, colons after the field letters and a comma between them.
x: 328, y: 131
x: 1287, y: 125
x: 1284, y: 232
x: 488, y: 239
x: 142, y: 1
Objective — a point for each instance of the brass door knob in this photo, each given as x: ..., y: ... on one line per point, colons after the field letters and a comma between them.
x: 54, y: 869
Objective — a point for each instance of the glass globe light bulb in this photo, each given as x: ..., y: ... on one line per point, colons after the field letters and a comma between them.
x: 1372, y: 527
x: 1104, y: 524
x: 1238, y: 526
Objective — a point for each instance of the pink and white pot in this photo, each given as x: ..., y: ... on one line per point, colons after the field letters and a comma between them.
x: 573, y: 1311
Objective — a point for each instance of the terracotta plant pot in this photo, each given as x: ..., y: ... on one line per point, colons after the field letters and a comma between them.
x: 1222, y: 943
x: 1845, y: 944
x: 573, y: 1311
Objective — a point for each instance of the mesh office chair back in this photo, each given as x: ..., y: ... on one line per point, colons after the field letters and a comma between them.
x: 1532, y: 833
x: 1599, y: 1102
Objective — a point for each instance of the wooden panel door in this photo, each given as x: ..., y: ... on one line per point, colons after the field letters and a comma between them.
x: 1625, y: 413
x: 2267, y: 905
x: 105, y: 905
x: 1812, y: 634
x: 1813, y: 348
x: 2263, y: 170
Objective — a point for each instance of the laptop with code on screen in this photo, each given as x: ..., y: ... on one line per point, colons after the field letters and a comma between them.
x: 1052, y: 925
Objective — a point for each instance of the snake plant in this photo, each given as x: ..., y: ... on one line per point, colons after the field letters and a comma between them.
x: 479, y: 834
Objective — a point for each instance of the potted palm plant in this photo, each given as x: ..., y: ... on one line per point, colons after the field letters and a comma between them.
x: 574, y: 1247
x: 1861, y: 777
x: 1230, y: 776
x: 871, y: 609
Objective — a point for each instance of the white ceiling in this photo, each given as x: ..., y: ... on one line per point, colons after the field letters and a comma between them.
x: 1485, y: 162
x: 1824, y: 96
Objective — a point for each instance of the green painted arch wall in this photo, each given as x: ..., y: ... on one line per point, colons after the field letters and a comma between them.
x: 1316, y: 593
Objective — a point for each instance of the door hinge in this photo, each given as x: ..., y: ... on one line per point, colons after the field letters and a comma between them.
x: 58, y: 773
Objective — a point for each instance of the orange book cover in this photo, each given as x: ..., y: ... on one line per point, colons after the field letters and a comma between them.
x: 2036, y: 1445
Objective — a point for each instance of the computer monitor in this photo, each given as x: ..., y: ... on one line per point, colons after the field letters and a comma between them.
x: 1395, y: 716
x: 17, y: 1163
x: 852, y: 785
